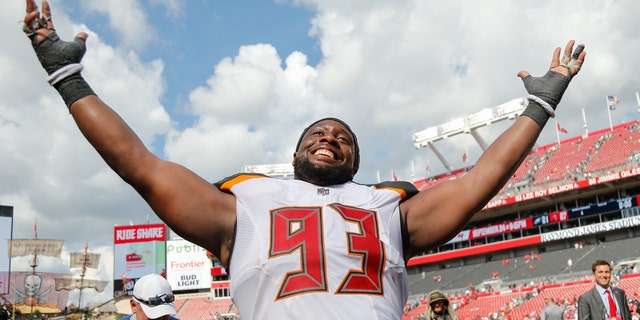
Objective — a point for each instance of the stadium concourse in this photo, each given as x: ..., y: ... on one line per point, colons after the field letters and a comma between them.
x: 570, y: 203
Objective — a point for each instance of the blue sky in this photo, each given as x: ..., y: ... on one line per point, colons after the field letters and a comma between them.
x: 195, y: 35
x: 215, y: 85
x: 222, y: 27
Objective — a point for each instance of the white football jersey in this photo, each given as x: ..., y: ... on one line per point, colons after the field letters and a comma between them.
x: 308, y: 252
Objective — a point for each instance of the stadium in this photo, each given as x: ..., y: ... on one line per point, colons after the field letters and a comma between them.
x: 571, y: 202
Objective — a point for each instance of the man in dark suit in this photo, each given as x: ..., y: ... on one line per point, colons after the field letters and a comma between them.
x: 603, y: 301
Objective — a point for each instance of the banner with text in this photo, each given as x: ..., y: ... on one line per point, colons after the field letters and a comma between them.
x: 595, y: 228
x: 188, y: 266
x: 570, y: 186
x: 138, y: 250
x: 492, y: 230
x: 41, y: 247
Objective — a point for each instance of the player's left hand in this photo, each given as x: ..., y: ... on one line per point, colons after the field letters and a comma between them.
x: 552, y: 85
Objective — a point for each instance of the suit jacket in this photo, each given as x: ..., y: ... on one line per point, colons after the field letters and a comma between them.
x: 552, y: 311
x: 591, y: 307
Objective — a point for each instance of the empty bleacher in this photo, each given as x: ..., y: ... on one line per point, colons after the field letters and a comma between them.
x: 450, y: 278
x: 564, y: 159
x: 574, y: 158
x: 621, y: 147
x: 201, y: 307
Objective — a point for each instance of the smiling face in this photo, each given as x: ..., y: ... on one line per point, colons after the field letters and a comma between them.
x: 602, y: 275
x: 326, y: 154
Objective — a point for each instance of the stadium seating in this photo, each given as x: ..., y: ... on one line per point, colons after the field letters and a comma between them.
x: 620, y: 148
x: 201, y: 307
x: 576, y: 157
x: 523, y: 288
x: 565, y: 158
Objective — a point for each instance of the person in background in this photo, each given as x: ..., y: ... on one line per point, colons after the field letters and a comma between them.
x: 603, y: 301
x: 438, y: 307
x: 551, y: 311
x: 152, y: 299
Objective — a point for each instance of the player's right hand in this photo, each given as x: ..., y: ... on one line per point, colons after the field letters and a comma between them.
x: 52, y: 52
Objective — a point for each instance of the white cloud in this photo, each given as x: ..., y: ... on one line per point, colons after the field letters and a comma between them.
x: 242, y: 89
x: 128, y: 18
x: 49, y: 164
x: 175, y: 8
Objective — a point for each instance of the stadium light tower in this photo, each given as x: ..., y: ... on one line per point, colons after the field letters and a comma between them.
x: 276, y: 170
x: 468, y: 124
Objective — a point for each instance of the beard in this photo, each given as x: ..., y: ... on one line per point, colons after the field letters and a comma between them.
x: 304, y: 170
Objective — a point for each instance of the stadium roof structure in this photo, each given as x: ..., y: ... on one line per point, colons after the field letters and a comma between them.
x: 468, y: 125
x: 276, y: 170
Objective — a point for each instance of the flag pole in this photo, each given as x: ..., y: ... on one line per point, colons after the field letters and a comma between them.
x: 584, y: 120
x: 609, y: 111
x: 557, y: 131
x: 638, y: 99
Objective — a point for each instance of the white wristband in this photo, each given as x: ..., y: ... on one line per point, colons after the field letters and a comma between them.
x: 544, y: 105
x: 64, y: 72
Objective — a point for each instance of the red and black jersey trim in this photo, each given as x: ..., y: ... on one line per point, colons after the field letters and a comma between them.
x: 228, y: 182
x: 404, y: 188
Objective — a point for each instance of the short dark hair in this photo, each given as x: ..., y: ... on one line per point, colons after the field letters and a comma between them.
x: 599, y: 263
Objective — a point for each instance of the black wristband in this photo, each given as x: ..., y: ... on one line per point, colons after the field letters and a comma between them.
x: 73, y: 88
x: 536, y: 112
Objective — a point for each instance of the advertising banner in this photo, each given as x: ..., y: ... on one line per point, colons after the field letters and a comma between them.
x: 138, y: 250
x: 188, y: 266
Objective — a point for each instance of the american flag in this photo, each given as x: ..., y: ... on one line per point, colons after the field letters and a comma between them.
x: 612, y: 101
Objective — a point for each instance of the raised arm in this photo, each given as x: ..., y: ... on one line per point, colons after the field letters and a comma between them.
x: 188, y: 204
x: 435, y: 215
